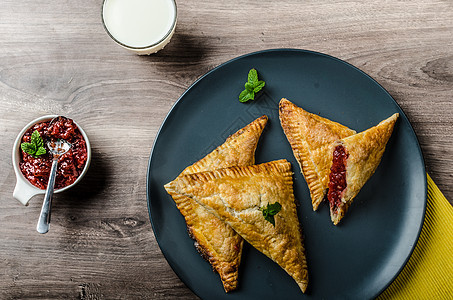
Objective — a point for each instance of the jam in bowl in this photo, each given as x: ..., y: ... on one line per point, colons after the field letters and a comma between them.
x: 32, y: 167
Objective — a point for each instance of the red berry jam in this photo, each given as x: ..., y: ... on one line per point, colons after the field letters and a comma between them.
x: 70, y: 164
x: 337, y: 177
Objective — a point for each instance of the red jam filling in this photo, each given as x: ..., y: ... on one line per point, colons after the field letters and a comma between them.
x: 337, y: 177
x: 70, y: 164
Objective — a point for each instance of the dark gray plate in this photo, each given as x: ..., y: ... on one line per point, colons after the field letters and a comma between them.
x: 357, y: 259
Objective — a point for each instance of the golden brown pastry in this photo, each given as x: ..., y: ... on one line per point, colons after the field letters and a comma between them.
x: 216, y: 241
x: 237, y: 196
x: 310, y: 137
x: 355, y: 159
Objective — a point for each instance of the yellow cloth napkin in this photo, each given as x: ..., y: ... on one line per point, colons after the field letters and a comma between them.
x: 429, y: 272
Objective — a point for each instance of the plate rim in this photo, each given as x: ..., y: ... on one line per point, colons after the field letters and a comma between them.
x: 296, y: 50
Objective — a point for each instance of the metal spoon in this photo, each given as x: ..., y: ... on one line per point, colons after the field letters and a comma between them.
x: 57, y: 148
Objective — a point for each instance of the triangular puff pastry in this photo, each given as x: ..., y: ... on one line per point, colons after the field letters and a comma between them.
x: 310, y: 137
x: 216, y: 241
x: 236, y: 196
x: 355, y: 159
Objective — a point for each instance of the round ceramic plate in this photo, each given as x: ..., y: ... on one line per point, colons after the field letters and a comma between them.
x: 358, y: 258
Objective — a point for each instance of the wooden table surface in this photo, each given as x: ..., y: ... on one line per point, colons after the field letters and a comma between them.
x: 55, y: 58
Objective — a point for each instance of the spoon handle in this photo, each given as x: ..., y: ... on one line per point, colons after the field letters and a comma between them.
x: 44, y: 217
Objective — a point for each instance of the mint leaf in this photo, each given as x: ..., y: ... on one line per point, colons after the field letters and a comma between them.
x: 249, y: 87
x: 246, y: 96
x: 270, y: 211
x: 28, y: 148
x: 260, y: 84
x: 39, y: 143
x: 274, y: 208
x: 35, y: 137
x: 252, y: 86
x: 270, y: 219
x: 36, y: 145
x: 253, y: 76
x: 41, y: 150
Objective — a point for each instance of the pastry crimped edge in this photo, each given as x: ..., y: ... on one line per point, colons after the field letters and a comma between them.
x: 236, y: 195
x: 206, y: 229
x: 312, y: 157
x: 225, y: 264
x: 243, y: 142
x: 365, y: 151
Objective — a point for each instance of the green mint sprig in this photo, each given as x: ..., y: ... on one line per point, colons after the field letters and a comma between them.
x: 270, y: 211
x: 252, y: 86
x: 36, y: 145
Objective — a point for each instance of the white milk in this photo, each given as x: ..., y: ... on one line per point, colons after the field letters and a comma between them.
x: 139, y: 23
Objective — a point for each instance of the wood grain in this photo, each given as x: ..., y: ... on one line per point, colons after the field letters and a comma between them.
x: 56, y: 58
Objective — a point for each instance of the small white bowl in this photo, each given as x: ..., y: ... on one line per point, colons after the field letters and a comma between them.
x: 24, y: 190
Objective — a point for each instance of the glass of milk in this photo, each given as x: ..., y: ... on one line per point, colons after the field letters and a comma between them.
x: 142, y: 26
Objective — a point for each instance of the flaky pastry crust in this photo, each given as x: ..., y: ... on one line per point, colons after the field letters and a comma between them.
x: 216, y: 241
x: 310, y: 137
x: 236, y: 194
x: 365, y: 150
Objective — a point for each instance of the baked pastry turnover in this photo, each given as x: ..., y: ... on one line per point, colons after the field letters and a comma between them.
x: 355, y: 159
x: 216, y: 241
x: 237, y: 196
x: 310, y: 137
